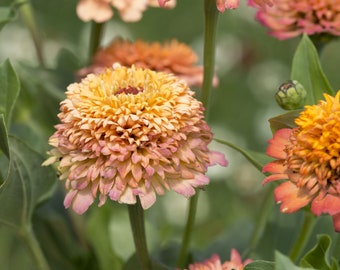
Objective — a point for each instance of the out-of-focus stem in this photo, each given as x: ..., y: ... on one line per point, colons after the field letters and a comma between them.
x: 27, y: 15
x: 95, y: 38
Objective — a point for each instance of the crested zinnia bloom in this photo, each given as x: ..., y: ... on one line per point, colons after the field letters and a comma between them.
x: 308, y: 159
x: 101, y: 10
x: 128, y: 133
x: 171, y: 57
x: 287, y: 19
x: 214, y: 263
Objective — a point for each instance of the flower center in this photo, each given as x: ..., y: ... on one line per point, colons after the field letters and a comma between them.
x: 129, y: 90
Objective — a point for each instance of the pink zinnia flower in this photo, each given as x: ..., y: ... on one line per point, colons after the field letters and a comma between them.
x: 308, y: 159
x: 171, y: 57
x: 130, y: 132
x: 214, y: 263
x: 287, y: 19
x: 101, y: 10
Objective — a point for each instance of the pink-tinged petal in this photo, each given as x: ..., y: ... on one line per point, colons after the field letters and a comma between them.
x: 80, y: 200
x: 235, y: 256
x: 329, y: 204
x: 274, y: 177
x: 127, y: 197
x: 278, y: 143
x: 275, y: 166
x: 217, y: 158
x: 147, y: 199
x: 291, y: 197
x: 222, y: 5
x: 162, y: 2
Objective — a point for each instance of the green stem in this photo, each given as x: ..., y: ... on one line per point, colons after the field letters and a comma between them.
x: 210, y: 23
x: 27, y: 15
x: 305, y: 231
x: 183, y: 253
x: 33, y: 245
x: 136, y: 214
x: 265, y: 208
x: 336, y: 249
x: 95, y: 38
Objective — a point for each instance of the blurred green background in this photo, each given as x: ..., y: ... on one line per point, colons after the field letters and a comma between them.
x: 250, y: 66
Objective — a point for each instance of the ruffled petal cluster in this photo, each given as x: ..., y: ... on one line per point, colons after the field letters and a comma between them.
x: 214, y: 263
x: 171, y: 57
x: 101, y: 10
x: 287, y: 19
x: 128, y: 133
x: 308, y: 159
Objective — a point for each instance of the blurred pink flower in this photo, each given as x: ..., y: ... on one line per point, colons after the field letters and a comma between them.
x: 222, y: 5
x: 171, y: 57
x: 214, y: 263
x: 287, y: 18
x: 307, y: 159
x: 130, y: 132
x: 101, y: 10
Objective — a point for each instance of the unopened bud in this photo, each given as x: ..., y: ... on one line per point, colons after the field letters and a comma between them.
x: 291, y: 95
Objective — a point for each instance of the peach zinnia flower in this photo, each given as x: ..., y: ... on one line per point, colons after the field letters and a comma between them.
x: 130, y: 132
x: 214, y: 263
x: 308, y: 158
x: 171, y: 57
x: 101, y: 10
x: 287, y: 19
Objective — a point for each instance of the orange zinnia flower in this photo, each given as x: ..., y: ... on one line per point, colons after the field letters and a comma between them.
x: 171, y: 57
x: 130, y: 132
x: 287, y: 18
x: 214, y: 263
x: 308, y: 158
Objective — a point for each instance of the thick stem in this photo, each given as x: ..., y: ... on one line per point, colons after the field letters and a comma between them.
x: 27, y: 15
x: 305, y: 231
x: 136, y: 214
x: 95, y: 38
x: 32, y: 243
x: 183, y: 253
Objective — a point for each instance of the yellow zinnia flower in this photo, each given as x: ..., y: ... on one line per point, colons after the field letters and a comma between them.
x: 130, y: 132
x: 308, y: 158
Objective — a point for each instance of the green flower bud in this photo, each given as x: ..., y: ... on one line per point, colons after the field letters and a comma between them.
x: 291, y: 95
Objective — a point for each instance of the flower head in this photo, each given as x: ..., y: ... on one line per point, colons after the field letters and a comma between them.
x: 101, y: 10
x: 222, y: 5
x: 171, y: 57
x: 214, y: 263
x: 308, y: 158
x: 287, y: 19
x: 130, y: 132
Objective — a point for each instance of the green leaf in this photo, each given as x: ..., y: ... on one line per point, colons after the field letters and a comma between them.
x: 9, y: 90
x: 26, y: 185
x: 98, y: 231
x: 7, y: 14
x: 3, y: 136
x: 282, y: 262
x: 260, y: 265
x: 286, y: 120
x: 307, y: 70
x: 256, y: 158
x: 318, y: 255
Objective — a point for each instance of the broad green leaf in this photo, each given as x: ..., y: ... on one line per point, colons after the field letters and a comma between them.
x: 9, y: 90
x: 282, y: 262
x: 307, y: 70
x: 256, y: 158
x: 98, y: 231
x: 260, y: 265
x: 3, y: 136
x: 318, y: 255
x: 7, y: 14
x: 26, y: 185
x: 285, y: 120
